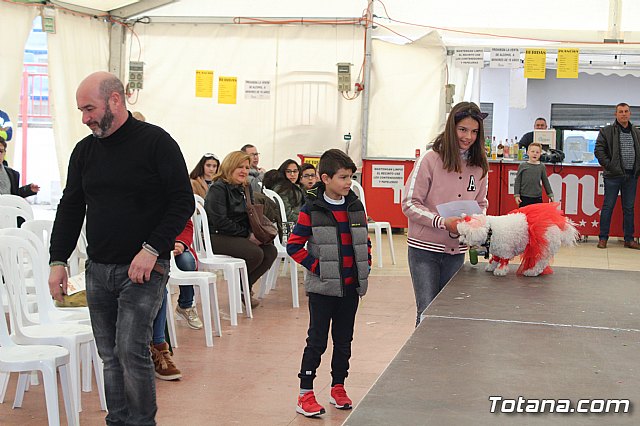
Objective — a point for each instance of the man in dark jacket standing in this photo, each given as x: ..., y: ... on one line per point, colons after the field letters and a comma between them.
x: 10, y: 179
x: 618, y: 152
x: 131, y: 180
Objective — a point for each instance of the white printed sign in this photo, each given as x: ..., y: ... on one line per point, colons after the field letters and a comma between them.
x: 512, y: 181
x: 469, y: 57
x: 389, y: 176
x: 257, y: 89
x: 504, y: 57
x: 600, y: 183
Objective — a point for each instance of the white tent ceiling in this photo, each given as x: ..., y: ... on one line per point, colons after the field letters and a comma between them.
x: 465, y: 23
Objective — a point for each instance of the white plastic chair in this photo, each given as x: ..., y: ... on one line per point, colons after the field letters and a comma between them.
x: 206, y: 283
x: 47, y: 359
x: 269, y: 282
x: 234, y: 269
x: 41, y: 286
x: 42, y: 228
x: 377, y: 226
x: 9, y: 216
x: 38, y: 232
x: 16, y: 201
x: 71, y: 336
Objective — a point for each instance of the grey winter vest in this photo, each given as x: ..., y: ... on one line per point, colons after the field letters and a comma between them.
x: 324, y: 244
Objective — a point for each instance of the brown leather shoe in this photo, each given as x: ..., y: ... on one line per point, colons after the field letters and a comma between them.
x: 632, y: 245
x: 602, y: 244
x: 163, y: 363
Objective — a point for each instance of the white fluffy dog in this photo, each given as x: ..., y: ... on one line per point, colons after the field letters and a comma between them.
x: 536, y: 232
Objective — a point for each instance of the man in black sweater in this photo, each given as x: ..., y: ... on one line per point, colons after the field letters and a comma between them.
x: 131, y: 180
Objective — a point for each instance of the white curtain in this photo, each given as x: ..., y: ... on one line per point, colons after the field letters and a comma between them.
x: 15, y: 24
x: 407, y: 107
x: 303, y: 113
x: 79, y: 47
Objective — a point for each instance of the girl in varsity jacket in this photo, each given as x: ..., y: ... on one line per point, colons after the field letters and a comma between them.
x: 454, y: 168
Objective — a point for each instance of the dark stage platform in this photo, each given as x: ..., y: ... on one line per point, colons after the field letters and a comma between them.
x: 573, y: 336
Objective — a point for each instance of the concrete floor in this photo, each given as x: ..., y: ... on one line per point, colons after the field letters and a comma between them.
x: 249, y: 377
x: 564, y: 336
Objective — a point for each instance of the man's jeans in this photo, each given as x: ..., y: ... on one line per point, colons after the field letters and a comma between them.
x: 627, y: 186
x: 122, y: 313
x: 430, y: 272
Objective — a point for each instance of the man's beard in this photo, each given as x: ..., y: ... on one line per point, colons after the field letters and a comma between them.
x: 105, y: 123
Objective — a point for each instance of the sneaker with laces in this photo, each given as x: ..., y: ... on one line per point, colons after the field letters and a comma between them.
x: 339, y: 398
x: 163, y: 363
x: 191, y: 316
x: 308, y: 406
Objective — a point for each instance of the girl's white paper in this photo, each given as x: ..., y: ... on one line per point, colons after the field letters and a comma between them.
x: 458, y: 208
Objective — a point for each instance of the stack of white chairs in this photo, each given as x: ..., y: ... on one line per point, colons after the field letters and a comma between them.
x: 269, y: 280
x: 40, y: 286
x: 13, y: 207
x: 9, y: 216
x: 8, y: 200
x: 42, y: 229
x: 234, y: 269
x: 47, y: 359
x: 206, y: 284
x: 51, y: 327
x: 377, y: 226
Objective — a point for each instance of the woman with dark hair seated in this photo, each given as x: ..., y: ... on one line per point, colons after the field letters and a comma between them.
x: 287, y: 187
x: 202, y: 174
x: 228, y: 220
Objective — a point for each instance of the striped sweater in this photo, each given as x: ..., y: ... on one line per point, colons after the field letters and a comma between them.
x: 312, y: 230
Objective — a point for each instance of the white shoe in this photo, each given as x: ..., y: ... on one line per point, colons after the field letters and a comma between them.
x: 191, y: 316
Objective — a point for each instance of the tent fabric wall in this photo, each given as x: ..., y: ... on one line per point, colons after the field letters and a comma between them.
x: 79, y: 47
x: 407, y: 99
x: 303, y: 114
x: 15, y: 24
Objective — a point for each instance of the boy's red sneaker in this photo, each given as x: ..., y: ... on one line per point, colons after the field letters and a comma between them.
x: 308, y: 406
x: 339, y: 398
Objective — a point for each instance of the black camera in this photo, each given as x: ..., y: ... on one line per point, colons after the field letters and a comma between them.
x: 552, y: 156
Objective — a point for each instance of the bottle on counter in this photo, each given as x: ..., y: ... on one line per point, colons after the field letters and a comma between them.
x: 487, y: 146
x: 494, y: 149
x: 500, y: 150
x: 506, y: 149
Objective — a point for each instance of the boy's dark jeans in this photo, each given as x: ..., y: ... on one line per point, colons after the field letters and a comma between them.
x: 527, y: 201
x: 340, y: 314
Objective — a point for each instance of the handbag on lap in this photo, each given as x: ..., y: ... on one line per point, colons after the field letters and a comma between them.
x: 261, y: 226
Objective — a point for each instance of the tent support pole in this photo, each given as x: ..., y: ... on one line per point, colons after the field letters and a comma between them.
x: 366, y: 80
